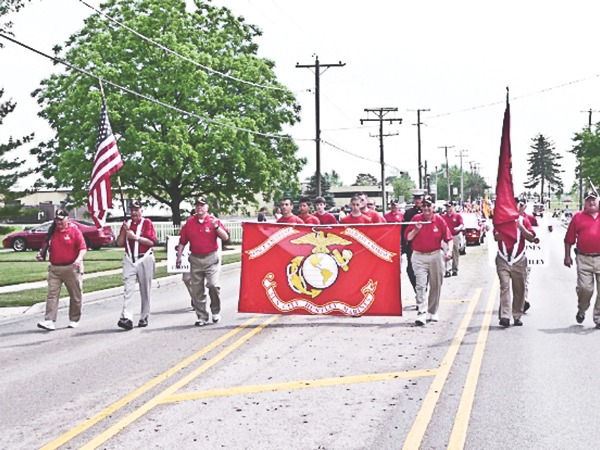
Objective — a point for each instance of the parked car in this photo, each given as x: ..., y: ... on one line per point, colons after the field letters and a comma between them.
x: 475, y: 228
x: 35, y: 237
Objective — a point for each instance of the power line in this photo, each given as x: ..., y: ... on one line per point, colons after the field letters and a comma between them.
x: 358, y: 156
x: 197, y: 64
x: 145, y: 97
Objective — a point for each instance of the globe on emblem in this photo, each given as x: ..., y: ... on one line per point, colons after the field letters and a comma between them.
x: 320, y: 270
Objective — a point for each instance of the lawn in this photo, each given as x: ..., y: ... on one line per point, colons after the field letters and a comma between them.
x: 100, y: 260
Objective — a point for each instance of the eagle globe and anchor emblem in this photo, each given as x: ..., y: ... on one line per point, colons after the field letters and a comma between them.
x: 310, y: 275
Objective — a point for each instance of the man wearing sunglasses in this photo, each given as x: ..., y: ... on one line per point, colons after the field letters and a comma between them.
x: 67, y: 248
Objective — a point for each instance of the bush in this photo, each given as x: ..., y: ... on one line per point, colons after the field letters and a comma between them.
x: 7, y: 229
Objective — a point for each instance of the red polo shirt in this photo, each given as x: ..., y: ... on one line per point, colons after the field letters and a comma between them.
x: 310, y: 219
x: 585, y: 230
x: 453, y: 220
x: 147, y: 232
x: 326, y: 218
x: 201, y: 235
x: 350, y: 219
x: 430, y: 238
x: 390, y: 217
x: 374, y: 216
x: 291, y: 219
x: 532, y: 220
x: 65, y: 245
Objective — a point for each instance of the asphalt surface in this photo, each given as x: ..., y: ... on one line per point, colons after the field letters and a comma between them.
x: 305, y: 382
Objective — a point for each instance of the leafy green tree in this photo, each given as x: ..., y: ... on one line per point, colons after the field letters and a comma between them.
x: 474, y: 185
x: 333, y: 178
x: 10, y: 167
x: 402, y: 185
x: 7, y: 7
x: 587, y: 151
x: 168, y: 155
x: 365, y: 179
x: 544, y: 167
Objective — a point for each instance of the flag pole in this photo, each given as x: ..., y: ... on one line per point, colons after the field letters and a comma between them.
x: 118, y: 175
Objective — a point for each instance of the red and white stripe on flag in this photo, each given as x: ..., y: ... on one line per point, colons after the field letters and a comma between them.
x: 351, y: 270
x: 107, y: 161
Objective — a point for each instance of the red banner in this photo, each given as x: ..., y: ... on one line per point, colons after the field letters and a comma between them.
x: 505, y: 209
x: 348, y: 270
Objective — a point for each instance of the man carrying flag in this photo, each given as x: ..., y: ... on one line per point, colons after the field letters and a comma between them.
x: 106, y: 162
x: 510, y: 231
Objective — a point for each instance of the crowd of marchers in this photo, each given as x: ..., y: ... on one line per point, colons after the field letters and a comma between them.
x: 430, y: 242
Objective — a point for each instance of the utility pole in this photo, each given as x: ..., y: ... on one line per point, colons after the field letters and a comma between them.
x: 462, y: 153
x: 418, y: 124
x: 380, y: 113
x: 446, y: 147
x: 589, y: 112
x: 317, y: 66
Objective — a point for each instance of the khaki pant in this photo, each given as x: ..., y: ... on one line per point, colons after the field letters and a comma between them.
x: 588, y: 272
x: 453, y: 263
x: 428, y: 266
x: 142, y: 271
x: 511, y: 275
x: 205, y: 269
x: 73, y: 279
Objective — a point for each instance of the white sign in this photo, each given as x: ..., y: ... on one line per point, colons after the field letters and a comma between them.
x: 172, y: 245
x: 536, y: 255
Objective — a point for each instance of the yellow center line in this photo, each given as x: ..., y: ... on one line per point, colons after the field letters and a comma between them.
x: 66, y: 437
x: 293, y: 385
x: 148, y: 406
x: 457, y: 300
x: 417, y: 431
x: 461, y: 422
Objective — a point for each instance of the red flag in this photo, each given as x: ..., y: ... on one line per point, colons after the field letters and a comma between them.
x: 335, y: 270
x: 505, y: 210
x: 106, y: 162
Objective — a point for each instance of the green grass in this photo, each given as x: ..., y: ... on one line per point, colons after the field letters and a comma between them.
x: 32, y: 296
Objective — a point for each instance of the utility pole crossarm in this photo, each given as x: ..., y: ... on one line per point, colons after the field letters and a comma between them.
x: 317, y: 66
x: 380, y: 113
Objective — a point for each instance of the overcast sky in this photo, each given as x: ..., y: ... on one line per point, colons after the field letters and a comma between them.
x: 454, y: 58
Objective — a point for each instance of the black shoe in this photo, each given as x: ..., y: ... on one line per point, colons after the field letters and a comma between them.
x: 126, y: 324
x: 518, y: 323
x: 504, y: 322
x: 447, y: 275
x: 580, y: 316
x: 455, y: 273
x: 526, y: 306
x: 143, y: 323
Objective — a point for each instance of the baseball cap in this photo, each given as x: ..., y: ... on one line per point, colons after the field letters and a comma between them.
x: 61, y: 214
x: 591, y: 194
x: 418, y: 192
x: 450, y: 204
x: 427, y: 200
x: 201, y: 201
x: 135, y: 204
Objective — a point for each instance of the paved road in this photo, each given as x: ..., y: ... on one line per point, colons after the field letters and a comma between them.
x: 304, y: 382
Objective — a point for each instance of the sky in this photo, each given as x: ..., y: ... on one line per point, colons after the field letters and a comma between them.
x: 454, y: 58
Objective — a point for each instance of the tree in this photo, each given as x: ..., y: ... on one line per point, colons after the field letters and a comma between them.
x: 365, y: 179
x: 333, y: 178
x: 7, y: 7
x: 587, y: 151
x: 543, y: 166
x: 9, y: 166
x: 402, y: 185
x: 473, y: 183
x: 311, y: 189
x: 169, y: 155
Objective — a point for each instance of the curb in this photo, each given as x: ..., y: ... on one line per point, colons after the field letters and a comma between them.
x: 15, y: 314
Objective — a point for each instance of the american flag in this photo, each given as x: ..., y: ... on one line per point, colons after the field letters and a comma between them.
x: 106, y: 162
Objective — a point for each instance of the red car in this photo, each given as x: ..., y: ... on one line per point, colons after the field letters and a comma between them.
x: 475, y: 228
x: 35, y: 237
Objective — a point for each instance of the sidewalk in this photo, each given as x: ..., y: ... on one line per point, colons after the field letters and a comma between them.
x: 10, y: 313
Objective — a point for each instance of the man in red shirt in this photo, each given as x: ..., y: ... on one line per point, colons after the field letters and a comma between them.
x: 584, y: 230
x: 522, y: 204
x: 305, y: 215
x: 67, y: 248
x: 325, y: 218
x: 428, y: 238
x: 286, y: 206
x: 202, y: 231
x: 456, y: 224
x: 370, y: 213
x: 138, y: 237
x: 356, y: 216
x: 394, y: 215
x: 511, y: 266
